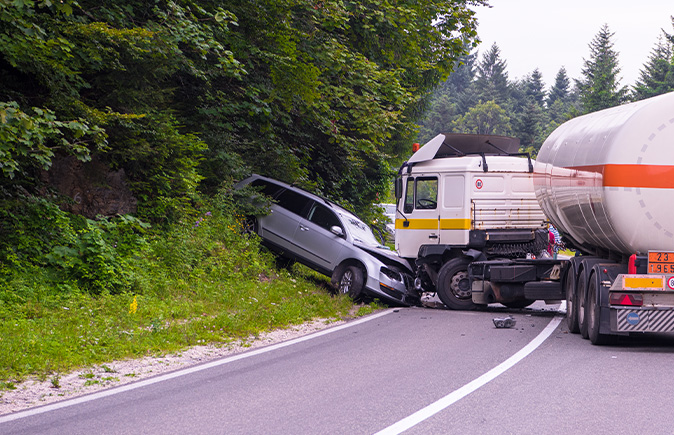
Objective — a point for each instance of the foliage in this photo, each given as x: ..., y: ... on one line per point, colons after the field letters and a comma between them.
x: 480, y: 98
x: 68, y: 250
x: 600, y: 85
x: 657, y: 76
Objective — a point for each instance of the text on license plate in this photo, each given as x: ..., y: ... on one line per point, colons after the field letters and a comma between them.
x: 660, y: 262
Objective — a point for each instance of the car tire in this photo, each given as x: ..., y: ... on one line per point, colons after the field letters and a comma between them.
x: 453, y: 286
x: 350, y: 282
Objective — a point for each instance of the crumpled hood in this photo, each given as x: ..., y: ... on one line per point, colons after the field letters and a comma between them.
x: 386, y: 256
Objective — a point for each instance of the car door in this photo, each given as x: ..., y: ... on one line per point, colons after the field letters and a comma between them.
x: 314, y: 236
x: 280, y: 226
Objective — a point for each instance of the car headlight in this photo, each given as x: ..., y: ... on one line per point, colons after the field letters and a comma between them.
x: 392, y: 274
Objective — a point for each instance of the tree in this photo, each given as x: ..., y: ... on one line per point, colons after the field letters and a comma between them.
x: 600, y: 86
x: 657, y: 76
x: 484, y: 118
x: 560, y: 89
x: 492, y: 82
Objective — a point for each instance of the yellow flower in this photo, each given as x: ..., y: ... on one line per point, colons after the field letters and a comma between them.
x: 134, y: 306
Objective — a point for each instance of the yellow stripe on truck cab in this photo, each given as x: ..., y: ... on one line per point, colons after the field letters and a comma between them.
x: 432, y: 224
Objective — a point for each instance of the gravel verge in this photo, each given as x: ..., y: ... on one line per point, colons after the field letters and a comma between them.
x: 33, y: 392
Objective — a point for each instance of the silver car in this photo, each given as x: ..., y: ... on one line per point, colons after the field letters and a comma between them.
x: 333, y: 241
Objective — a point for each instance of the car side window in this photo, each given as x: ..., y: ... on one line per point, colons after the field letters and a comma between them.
x: 323, y: 217
x: 293, y: 201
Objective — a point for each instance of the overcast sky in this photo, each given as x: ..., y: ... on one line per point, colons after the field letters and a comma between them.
x: 547, y: 34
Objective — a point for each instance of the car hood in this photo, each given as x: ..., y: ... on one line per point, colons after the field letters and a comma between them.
x: 386, y: 256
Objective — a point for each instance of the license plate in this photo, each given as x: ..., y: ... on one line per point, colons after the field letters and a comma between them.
x: 660, y: 262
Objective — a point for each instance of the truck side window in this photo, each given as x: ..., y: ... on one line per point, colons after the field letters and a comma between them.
x: 426, y: 193
x: 409, y: 196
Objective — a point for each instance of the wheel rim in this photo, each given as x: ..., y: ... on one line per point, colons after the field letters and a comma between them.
x: 460, y: 286
x: 346, y: 282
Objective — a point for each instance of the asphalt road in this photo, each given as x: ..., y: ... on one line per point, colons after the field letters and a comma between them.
x: 428, y: 371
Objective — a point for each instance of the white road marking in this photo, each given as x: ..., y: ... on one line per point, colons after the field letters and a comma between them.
x: 456, y: 395
x: 187, y: 371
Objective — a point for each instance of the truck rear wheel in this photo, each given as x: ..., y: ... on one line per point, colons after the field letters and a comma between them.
x: 454, y: 289
x: 593, y: 314
x: 571, y: 300
x: 581, y: 301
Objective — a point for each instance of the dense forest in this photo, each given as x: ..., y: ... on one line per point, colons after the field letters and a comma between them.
x: 123, y: 122
x: 480, y: 98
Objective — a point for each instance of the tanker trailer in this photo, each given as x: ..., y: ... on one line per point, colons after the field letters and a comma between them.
x: 606, y: 181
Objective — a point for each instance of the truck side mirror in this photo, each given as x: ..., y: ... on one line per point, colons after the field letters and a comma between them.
x: 399, y: 188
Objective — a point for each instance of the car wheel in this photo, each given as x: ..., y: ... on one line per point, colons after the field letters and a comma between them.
x: 250, y: 225
x: 454, y: 289
x: 351, y: 282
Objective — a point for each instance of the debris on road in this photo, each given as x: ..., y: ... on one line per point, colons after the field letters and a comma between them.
x: 504, y: 322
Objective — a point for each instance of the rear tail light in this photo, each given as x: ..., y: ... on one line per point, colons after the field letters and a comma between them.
x: 626, y: 299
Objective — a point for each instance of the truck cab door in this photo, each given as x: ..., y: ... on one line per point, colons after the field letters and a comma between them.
x: 420, y: 209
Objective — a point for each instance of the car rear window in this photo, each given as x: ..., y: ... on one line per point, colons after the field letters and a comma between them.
x: 268, y: 188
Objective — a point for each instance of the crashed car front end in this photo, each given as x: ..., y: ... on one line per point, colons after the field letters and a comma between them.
x: 388, y: 277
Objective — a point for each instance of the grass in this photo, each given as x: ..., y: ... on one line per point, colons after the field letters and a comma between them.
x: 57, y: 335
x: 194, y: 284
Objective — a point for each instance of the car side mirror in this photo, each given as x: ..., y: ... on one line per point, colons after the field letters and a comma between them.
x: 337, y: 231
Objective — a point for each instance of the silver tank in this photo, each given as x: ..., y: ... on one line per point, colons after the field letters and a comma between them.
x: 606, y: 179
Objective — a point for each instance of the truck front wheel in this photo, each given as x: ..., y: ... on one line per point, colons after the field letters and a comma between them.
x: 454, y: 289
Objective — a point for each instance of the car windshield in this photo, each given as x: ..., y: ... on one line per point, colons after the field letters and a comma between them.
x: 360, y: 232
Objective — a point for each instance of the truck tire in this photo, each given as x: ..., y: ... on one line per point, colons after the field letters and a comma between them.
x: 593, y: 313
x: 571, y: 300
x: 454, y: 288
x: 581, y: 302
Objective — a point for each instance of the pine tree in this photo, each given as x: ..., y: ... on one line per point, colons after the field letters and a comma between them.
x: 534, y: 87
x: 492, y: 79
x: 600, y: 86
x: 560, y: 90
x: 657, y: 76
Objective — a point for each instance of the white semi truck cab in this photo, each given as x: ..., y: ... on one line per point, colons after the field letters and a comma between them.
x: 462, y: 198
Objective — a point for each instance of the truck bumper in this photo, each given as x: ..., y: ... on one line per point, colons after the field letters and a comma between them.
x: 642, y: 320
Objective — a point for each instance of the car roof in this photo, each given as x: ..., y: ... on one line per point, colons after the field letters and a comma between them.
x: 313, y: 196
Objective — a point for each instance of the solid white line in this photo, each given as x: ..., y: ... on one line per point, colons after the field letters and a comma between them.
x: 187, y: 371
x: 462, y: 392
